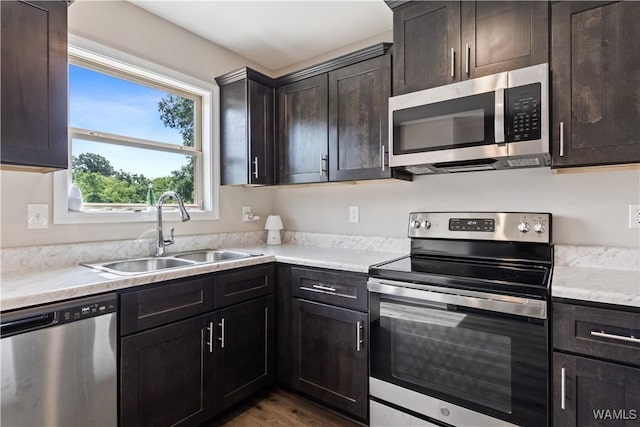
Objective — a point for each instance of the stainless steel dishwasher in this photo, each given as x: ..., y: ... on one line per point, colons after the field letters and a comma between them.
x: 58, y: 364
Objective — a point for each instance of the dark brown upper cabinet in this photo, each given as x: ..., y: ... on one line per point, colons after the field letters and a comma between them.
x: 503, y: 36
x: 596, y: 83
x: 358, y: 120
x: 437, y: 43
x: 333, y: 119
x: 34, y: 85
x: 246, y: 128
x: 426, y: 50
x: 303, y: 131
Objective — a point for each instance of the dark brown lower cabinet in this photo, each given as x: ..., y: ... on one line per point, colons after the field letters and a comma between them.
x: 329, y: 359
x: 181, y: 362
x: 596, y: 393
x: 167, y: 375
x: 244, y: 337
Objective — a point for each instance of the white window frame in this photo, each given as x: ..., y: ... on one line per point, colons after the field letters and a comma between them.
x: 209, y: 93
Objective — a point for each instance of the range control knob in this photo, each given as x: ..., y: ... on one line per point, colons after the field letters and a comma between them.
x: 415, y: 224
x: 538, y: 227
x: 523, y: 227
x: 426, y: 224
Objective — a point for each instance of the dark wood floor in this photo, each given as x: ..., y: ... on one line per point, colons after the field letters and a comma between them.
x: 281, y: 408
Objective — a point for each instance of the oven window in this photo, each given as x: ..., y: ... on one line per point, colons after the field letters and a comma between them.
x: 489, y: 362
x: 459, y: 122
x: 441, y: 351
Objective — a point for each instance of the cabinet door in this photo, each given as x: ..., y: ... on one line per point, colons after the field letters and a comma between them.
x: 303, y: 127
x: 234, y: 162
x: 596, y: 83
x: 166, y: 375
x: 244, y: 350
x: 359, y: 120
x: 34, y: 84
x: 330, y: 355
x: 426, y: 45
x: 596, y: 393
x: 503, y: 35
x: 260, y: 134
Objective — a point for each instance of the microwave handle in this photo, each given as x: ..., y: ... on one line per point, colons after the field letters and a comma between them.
x: 499, y: 115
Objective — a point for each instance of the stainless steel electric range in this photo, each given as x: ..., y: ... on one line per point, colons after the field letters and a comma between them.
x: 459, y: 333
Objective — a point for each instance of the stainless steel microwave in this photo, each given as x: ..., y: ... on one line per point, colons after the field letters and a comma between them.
x: 499, y: 121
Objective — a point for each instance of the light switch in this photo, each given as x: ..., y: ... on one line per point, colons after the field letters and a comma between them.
x: 37, y: 215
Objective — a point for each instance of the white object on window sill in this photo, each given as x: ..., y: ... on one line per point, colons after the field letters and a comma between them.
x: 75, y: 199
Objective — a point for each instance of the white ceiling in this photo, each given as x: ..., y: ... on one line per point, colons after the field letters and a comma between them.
x: 276, y: 34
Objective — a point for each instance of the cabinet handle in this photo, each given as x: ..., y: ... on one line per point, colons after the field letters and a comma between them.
x: 498, y: 121
x: 210, y: 342
x: 221, y: 339
x: 603, y: 334
x: 561, y: 139
x: 467, y: 58
x: 323, y: 288
x: 323, y: 170
x: 358, y: 335
x: 453, y: 62
x: 382, y: 152
x: 255, y: 163
x: 563, y: 388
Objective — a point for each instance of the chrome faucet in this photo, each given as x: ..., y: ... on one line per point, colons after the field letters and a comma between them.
x: 161, y: 243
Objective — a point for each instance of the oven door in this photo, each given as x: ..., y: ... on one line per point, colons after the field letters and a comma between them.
x: 457, y: 356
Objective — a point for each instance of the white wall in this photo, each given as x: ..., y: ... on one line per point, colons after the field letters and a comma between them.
x: 125, y: 27
x: 588, y: 208
x: 386, y: 37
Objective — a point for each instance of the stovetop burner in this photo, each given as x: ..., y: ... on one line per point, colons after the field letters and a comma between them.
x: 507, y: 253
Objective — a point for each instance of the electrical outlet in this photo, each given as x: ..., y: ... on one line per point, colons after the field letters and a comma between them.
x: 37, y: 215
x: 634, y: 216
x: 247, y: 216
x: 354, y: 214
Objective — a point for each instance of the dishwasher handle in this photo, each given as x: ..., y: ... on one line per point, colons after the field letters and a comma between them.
x: 27, y: 323
x: 30, y: 319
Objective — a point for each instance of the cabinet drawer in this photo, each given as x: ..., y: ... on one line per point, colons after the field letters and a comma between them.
x: 340, y: 289
x: 242, y: 285
x: 165, y: 303
x: 607, y: 333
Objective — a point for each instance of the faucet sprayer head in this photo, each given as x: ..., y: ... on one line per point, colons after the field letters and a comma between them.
x: 184, y: 215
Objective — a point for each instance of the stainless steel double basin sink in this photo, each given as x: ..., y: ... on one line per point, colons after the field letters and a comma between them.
x: 150, y: 264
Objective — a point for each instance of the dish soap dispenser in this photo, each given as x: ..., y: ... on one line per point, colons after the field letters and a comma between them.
x: 75, y: 198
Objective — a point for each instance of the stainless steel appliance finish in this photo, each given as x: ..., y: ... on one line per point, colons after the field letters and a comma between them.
x: 59, y: 364
x: 458, y: 329
x: 494, y: 226
x: 481, y: 300
x: 499, y: 121
x: 438, y: 409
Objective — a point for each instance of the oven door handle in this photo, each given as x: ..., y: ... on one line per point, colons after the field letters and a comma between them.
x: 492, y: 302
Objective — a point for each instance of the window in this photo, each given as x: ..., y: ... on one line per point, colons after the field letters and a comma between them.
x: 135, y: 131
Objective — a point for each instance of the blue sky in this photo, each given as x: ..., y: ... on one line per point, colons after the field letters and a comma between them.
x: 107, y: 104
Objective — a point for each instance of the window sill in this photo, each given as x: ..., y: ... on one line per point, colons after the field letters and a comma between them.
x: 70, y: 217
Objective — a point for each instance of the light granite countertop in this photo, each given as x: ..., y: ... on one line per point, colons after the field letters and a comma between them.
x: 38, y: 275
x: 607, y: 286
x: 25, y: 288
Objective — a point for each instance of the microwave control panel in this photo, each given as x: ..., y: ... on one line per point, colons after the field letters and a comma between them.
x: 523, y: 112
